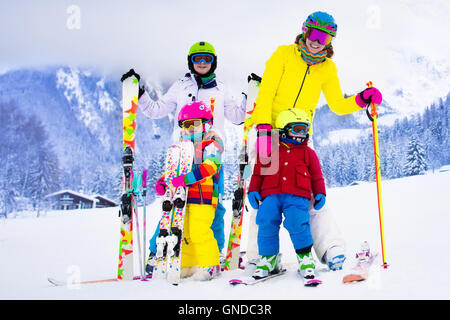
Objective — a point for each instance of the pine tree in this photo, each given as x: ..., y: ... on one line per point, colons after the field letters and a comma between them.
x: 11, y: 156
x: 415, y: 158
x: 44, y: 173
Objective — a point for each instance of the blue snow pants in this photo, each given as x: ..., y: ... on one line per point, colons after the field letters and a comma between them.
x: 217, y: 225
x: 296, y: 221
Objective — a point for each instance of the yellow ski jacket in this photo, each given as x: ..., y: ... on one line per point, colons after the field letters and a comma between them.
x: 289, y: 82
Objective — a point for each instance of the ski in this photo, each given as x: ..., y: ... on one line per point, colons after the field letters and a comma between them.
x: 130, y: 89
x: 59, y: 283
x: 360, y: 271
x: 311, y: 282
x: 179, y: 161
x: 238, y: 203
x: 179, y: 201
x: 171, y: 165
x: 249, y: 281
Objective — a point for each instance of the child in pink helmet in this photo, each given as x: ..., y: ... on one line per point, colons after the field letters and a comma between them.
x: 200, y: 254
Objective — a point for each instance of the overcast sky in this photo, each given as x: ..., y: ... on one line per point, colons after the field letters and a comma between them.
x: 154, y: 36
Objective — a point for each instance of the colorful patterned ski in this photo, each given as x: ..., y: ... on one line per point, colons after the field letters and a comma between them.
x: 171, y: 167
x: 130, y: 90
x: 180, y: 199
x: 179, y: 161
x: 238, y: 204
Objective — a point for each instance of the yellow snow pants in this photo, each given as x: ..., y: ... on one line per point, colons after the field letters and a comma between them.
x: 199, y: 245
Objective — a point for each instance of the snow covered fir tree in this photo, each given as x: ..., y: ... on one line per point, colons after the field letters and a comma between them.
x: 415, y: 158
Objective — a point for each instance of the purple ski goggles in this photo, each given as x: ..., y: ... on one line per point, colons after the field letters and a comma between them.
x: 323, y: 37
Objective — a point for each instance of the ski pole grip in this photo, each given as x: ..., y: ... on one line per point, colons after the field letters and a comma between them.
x: 144, y: 182
x: 144, y: 178
x: 372, y: 113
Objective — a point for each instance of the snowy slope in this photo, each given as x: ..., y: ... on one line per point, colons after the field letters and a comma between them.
x: 65, y: 244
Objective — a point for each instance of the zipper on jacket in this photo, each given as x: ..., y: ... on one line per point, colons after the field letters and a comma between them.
x: 201, y: 194
x: 303, y: 81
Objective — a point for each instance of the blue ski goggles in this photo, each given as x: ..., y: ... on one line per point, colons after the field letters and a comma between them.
x: 297, y: 128
x: 199, y: 57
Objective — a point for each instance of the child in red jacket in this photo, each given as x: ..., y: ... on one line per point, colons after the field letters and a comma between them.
x: 287, y: 191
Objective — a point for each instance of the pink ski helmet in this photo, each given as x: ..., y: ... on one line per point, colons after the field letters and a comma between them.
x: 195, y: 110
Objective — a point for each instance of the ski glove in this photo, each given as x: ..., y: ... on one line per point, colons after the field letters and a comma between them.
x: 254, y: 197
x: 178, y: 181
x: 133, y: 73
x: 160, y: 186
x: 254, y: 76
x: 130, y: 73
x: 319, y: 201
x: 367, y: 96
x: 264, y: 140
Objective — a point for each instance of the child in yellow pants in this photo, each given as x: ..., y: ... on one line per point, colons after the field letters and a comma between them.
x: 199, y: 247
x: 199, y: 251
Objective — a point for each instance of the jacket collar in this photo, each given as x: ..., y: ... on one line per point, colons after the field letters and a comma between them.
x: 288, y: 145
x: 203, y: 83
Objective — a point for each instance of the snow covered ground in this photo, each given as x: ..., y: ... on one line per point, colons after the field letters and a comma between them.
x: 84, y: 243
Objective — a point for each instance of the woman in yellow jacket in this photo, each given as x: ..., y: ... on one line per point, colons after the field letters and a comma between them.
x: 294, y: 77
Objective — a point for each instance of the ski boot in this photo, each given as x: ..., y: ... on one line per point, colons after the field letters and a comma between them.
x: 306, y: 269
x: 335, y: 257
x: 206, y: 273
x: 267, y: 265
x: 250, y: 266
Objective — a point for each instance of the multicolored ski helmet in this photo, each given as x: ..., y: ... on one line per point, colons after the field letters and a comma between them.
x: 321, y: 21
x: 202, y: 47
x: 195, y: 110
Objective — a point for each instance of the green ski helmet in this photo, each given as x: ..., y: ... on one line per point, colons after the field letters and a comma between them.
x: 202, y: 47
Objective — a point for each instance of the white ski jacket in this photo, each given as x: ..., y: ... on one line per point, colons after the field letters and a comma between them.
x: 186, y: 90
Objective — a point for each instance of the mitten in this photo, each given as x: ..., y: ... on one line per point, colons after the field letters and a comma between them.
x: 367, y: 96
x: 160, y: 186
x: 319, y: 201
x: 254, y: 197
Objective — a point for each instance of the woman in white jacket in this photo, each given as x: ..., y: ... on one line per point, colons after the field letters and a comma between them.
x: 199, y: 85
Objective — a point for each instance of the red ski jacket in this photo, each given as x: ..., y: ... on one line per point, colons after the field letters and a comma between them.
x: 298, y: 173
